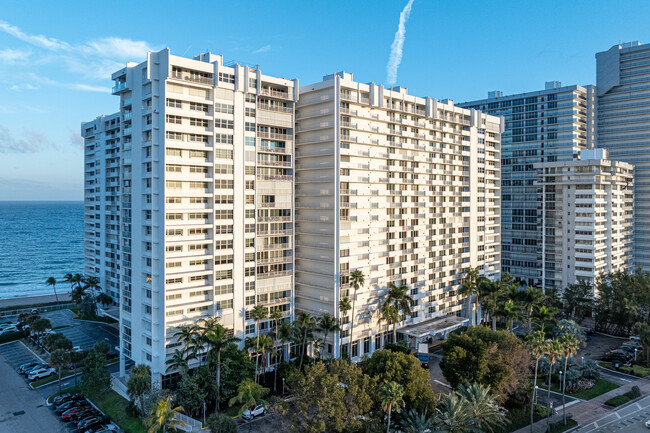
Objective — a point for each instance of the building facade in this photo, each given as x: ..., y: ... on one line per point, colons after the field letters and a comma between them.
x: 623, y: 83
x: 587, y: 226
x: 206, y: 199
x: 102, y: 156
x: 550, y: 125
x: 402, y: 188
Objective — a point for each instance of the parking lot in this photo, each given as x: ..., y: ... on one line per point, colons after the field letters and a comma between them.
x: 25, y: 410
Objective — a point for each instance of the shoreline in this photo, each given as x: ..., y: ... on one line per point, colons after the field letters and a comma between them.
x: 32, y: 300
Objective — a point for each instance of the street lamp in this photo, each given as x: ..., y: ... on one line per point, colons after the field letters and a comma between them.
x: 583, y: 361
x: 635, y: 353
x: 283, y: 386
x: 536, y: 393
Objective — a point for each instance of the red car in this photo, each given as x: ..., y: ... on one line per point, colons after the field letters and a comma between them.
x: 68, y: 414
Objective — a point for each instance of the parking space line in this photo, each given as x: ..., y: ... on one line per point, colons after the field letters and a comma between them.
x: 33, y: 353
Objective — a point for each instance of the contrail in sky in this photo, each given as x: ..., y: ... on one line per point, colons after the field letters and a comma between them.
x: 398, y: 43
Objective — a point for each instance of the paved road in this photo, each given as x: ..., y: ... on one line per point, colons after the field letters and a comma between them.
x: 630, y: 419
x: 22, y: 410
x: 33, y: 300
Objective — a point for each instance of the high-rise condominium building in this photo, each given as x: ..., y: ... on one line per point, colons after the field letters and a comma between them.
x: 549, y: 125
x: 587, y: 225
x: 102, y: 144
x: 623, y: 88
x: 402, y: 188
x: 204, y: 219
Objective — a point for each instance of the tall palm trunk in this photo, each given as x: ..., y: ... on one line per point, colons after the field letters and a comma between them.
x: 216, y: 404
x: 324, y: 343
x: 532, y: 400
x: 275, y: 373
x: 57, y: 300
x: 388, y: 425
x: 566, y: 360
x: 352, y: 322
x: 394, y: 333
x: 494, y: 322
x: 304, y: 348
x: 548, y: 398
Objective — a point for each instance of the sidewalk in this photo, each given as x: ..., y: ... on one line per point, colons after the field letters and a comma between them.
x: 586, y: 412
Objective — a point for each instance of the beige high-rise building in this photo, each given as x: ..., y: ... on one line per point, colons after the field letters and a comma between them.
x: 587, y: 226
x: 402, y: 188
x: 205, y: 211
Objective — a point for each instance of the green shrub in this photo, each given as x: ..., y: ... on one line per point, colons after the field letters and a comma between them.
x: 635, y: 392
x: 11, y: 336
x: 617, y: 401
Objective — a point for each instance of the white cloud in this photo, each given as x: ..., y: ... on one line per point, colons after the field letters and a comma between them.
x: 73, y: 86
x: 263, y: 49
x: 14, y: 56
x: 37, y: 40
x: 398, y: 44
x: 24, y: 86
x: 87, y: 88
x: 30, y: 143
x: 93, y: 59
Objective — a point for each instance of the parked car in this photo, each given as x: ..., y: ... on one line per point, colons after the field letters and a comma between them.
x: 259, y: 410
x: 41, y: 373
x: 27, y: 366
x: 588, y: 331
x: 91, y: 424
x: 58, y: 401
x: 110, y: 428
x: 635, y: 338
x: 28, y: 371
x: 629, y: 349
x: 616, y: 355
x: 8, y: 330
x: 85, y: 413
x: 70, y: 405
x: 68, y: 414
x: 34, y: 311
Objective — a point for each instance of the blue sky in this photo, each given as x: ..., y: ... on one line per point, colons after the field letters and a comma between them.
x: 56, y: 58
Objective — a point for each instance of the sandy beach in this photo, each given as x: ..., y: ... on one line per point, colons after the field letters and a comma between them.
x: 31, y: 300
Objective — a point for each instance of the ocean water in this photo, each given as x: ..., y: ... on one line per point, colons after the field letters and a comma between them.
x: 39, y: 240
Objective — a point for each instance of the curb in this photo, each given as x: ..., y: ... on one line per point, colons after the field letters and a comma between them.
x: 620, y: 372
x: 612, y: 336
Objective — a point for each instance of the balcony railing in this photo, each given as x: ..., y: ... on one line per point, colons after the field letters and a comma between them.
x: 119, y: 87
x: 274, y: 135
x: 192, y: 78
x: 274, y: 149
x: 273, y: 274
x: 275, y: 93
x: 277, y: 109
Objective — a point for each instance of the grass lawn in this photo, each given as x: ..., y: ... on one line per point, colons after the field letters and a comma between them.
x: 601, y: 387
x: 116, y: 407
x: 635, y: 370
x: 64, y: 373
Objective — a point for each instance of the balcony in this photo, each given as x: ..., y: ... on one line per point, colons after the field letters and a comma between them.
x: 274, y: 135
x: 277, y: 109
x: 119, y: 87
x: 274, y: 274
x: 193, y: 78
x: 274, y: 93
x: 274, y: 149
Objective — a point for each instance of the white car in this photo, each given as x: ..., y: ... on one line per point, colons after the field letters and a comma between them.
x: 259, y: 410
x: 8, y: 329
x: 41, y: 373
x: 647, y: 424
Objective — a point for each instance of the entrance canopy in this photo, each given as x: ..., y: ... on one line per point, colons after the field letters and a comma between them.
x: 438, y: 327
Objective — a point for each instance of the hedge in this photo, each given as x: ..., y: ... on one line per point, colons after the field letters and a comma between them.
x: 12, y: 336
x: 635, y: 392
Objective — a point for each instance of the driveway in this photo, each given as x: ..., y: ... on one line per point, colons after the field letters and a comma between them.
x: 629, y: 419
x: 22, y: 410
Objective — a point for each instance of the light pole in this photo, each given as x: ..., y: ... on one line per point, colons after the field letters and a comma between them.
x: 583, y: 361
x: 536, y: 393
x: 283, y: 386
x: 204, y: 412
x: 635, y: 353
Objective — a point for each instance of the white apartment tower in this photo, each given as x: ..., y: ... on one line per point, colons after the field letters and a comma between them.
x: 587, y: 224
x: 623, y: 89
x: 547, y: 125
x: 102, y: 152
x: 405, y: 189
x: 206, y: 199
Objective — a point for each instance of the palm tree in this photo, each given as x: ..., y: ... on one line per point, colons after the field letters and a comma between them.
x: 510, y: 312
x: 357, y: 279
x: 264, y: 346
x: 59, y: 358
x: 489, y: 295
x: 249, y: 395
x: 189, y: 335
x: 544, y: 315
x: 392, y: 398
x: 552, y: 349
x: 479, y: 405
x: 326, y: 324
x: 258, y: 313
x: 344, y: 307
x: 92, y: 283
x: 306, y: 324
x: 535, y: 343
x: 469, y: 288
x: 399, y: 298
x: 78, y: 294
x: 285, y: 333
x: 569, y: 347
x: 163, y: 417
x: 530, y: 298
x: 69, y: 278
x: 180, y: 360
x: 51, y: 281
x: 218, y: 338
x: 415, y: 422
x: 454, y: 415
x: 390, y: 315
x: 139, y: 383
x: 104, y: 299
x: 276, y: 316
